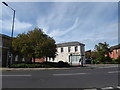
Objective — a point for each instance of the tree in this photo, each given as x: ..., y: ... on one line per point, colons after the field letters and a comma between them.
x: 34, y: 44
x: 94, y: 55
x: 102, y: 49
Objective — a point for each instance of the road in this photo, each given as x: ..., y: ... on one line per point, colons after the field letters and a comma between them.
x: 77, y: 77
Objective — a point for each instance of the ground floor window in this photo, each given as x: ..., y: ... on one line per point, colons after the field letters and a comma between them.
x: 74, y: 59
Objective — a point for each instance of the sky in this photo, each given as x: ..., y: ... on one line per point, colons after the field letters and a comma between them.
x: 85, y: 22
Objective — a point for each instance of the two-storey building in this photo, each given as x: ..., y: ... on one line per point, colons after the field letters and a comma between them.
x: 71, y: 52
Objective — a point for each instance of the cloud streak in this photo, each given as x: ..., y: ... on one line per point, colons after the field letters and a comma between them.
x: 58, y: 32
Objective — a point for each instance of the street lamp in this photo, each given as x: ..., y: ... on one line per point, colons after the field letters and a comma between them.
x: 12, y: 25
x: 13, y: 16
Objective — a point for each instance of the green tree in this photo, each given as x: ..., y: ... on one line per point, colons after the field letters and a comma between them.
x: 102, y: 49
x: 34, y: 44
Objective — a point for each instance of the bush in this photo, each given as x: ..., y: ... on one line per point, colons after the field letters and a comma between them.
x: 40, y: 65
x: 95, y: 61
x: 29, y: 66
x: 103, y: 60
x: 63, y: 64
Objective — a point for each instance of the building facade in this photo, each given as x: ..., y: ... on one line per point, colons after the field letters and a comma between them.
x: 5, y: 43
x: 71, y: 52
x: 115, y: 51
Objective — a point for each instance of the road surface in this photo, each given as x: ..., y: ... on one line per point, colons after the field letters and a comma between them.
x: 77, y: 77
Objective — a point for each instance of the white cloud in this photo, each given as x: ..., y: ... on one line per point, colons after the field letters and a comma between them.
x: 94, y: 24
x: 58, y: 32
x: 87, y: 23
x: 19, y: 26
x: 58, y: 16
x: 54, y: 18
x: 22, y: 25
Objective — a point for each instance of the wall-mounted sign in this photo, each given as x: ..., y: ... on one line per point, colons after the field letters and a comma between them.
x: 76, y: 53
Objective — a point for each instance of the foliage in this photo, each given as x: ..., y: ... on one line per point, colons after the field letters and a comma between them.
x: 94, y: 55
x: 104, y: 60
x: 101, y: 53
x: 102, y: 49
x: 29, y: 66
x: 40, y: 65
x: 34, y: 44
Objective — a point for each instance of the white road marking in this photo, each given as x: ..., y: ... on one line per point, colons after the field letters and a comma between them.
x: 118, y: 87
x: 91, y: 89
x: 114, y: 72
x: 107, y: 88
x: 69, y: 74
x: 108, y: 67
x: 16, y: 75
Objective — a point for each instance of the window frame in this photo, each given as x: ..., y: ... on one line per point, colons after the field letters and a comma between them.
x: 76, y: 48
x: 69, y: 49
x: 62, y: 49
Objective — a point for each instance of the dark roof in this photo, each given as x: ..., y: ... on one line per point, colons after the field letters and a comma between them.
x: 88, y: 51
x: 69, y: 44
x: 115, y: 47
x: 4, y: 36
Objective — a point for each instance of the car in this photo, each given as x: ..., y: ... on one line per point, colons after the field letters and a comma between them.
x: 88, y: 61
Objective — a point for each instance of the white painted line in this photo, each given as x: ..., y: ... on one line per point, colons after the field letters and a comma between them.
x: 114, y: 72
x: 108, y: 67
x: 91, y: 89
x: 107, y: 88
x: 118, y: 87
x: 69, y: 74
x: 16, y: 75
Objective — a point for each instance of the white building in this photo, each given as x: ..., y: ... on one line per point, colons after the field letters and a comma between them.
x: 71, y: 52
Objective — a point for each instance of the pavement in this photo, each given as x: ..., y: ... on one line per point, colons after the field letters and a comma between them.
x: 91, y: 77
x: 86, y: 66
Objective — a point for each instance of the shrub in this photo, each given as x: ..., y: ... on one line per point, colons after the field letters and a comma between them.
x: 63, y: 64
x: 29, y: 66
x: 40, y: 65
x: 103, y: 60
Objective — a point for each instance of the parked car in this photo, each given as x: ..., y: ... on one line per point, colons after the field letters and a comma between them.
x: 88, y: 61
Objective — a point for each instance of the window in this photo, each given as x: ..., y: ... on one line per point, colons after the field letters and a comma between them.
x: 61, y: 49
x: 69, y: 49
x: 76, y: 48
x: 117, y: 51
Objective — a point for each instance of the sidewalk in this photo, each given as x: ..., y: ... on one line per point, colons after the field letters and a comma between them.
x: 86, y: 66
x: 102, y: 65
x: 15, y: 69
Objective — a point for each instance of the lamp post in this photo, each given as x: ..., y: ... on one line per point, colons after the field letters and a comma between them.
x: 12, y: 28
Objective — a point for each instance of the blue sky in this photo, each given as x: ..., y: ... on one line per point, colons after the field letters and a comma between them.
x: 86, y: 22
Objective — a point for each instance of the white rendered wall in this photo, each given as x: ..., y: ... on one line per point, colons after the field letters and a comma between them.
x: 64, y: 56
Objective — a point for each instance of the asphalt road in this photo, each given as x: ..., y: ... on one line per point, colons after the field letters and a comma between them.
x: 98, y: 77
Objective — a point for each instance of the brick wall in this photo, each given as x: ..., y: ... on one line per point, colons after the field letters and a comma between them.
x: 39, y: 60
x: 115, y: 53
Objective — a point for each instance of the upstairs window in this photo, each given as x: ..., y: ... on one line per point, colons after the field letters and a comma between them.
x: 76, y: 48
x: 117, y: 51
x: 69, y: 49
x: 61, y: 49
